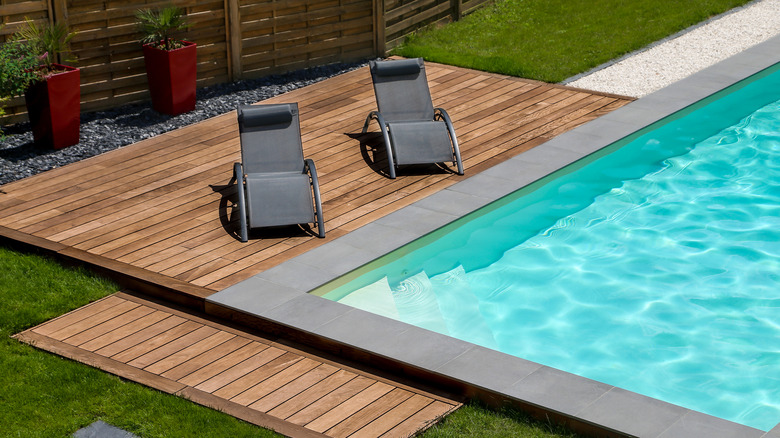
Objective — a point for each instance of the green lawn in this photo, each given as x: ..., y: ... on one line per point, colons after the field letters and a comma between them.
x: 475, y: 420
x: 552, y: 40
x: 44, y: 395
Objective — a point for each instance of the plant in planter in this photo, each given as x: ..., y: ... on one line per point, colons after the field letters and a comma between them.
x: 54, y: 97
x: 18, y: 62
x: 170, y: 62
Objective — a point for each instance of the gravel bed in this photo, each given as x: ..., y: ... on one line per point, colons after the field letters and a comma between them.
x: 685, y: 53
x: 107, y: 130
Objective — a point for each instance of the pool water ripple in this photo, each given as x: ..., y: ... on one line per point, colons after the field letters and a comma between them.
x: 688, y: 256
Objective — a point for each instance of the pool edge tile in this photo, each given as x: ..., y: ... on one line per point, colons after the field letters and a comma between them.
x: 558, y: 390
x: 487, y: 368
x: 774, y: 432
x: 253, y: 295
x: 377, y: 239
x: 306, y: 312
x: 297, y: 275
x: 374, y: 329
x: 337, y: 257
x: 618, y: 407
x: 416, y: 219
x: 698, y: 425
x: 452, y: 202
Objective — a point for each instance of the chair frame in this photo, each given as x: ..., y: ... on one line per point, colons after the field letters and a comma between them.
x: 308, y: 168
x: 439, y: 114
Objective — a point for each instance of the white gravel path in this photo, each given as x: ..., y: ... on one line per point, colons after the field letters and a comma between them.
x: 693, y: 50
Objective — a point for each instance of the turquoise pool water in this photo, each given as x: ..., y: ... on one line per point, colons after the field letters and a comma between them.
x: 653, y: 265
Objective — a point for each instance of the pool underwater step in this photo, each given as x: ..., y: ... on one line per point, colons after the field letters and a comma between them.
x: 417, y: 304
x: 444, y: 303
x: 464, y: 317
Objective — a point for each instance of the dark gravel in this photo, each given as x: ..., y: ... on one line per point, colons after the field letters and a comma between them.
x: 107, y: 130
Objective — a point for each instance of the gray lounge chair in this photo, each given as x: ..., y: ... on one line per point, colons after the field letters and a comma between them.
x: 414, y: 131
x: 276, y: 186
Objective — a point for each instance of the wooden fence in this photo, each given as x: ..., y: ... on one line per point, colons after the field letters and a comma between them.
x: 237, y: 39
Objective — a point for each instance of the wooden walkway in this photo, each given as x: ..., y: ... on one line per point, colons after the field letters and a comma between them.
x: 250, y: 377
x: 161, y: 209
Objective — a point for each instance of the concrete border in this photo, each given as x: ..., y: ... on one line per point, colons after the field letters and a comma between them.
x: 279, y: 295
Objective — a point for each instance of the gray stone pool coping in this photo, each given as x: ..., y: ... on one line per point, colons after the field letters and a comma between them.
x: 280, y: 293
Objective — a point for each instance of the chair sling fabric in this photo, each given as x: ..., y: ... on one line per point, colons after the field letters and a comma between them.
x: 414, y: 131
x: 276, y: 185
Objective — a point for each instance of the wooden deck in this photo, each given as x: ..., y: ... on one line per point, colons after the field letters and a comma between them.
x: 162, y: 209
x: 259, y: 380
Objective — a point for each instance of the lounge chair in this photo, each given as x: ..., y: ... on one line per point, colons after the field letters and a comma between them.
x: 276, y: 186
x: 414, y: 131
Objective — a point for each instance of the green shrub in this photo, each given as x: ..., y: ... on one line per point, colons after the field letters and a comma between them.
x: 158, y: 26
x: 48, y: 41
x: 18, y: 62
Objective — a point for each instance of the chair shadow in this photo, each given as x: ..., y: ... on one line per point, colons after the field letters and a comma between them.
x: 229, y: 218
x: 374, y: 153
x: 372, y: 149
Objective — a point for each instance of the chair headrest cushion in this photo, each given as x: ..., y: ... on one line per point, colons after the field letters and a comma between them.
x: 261, y: 115
x: 397, y: 67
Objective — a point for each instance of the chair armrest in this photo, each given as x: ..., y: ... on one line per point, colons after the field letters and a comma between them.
x: 311, y: 169
x: 238, y: 175
x: 388, y: 146
x: 441, y: 114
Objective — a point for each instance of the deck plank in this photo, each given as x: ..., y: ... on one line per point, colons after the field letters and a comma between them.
x: 92, y: 321
x: 390, y: 420
x: 196, y: 349
x: 133, y: 339
x: 275, y: 382
x: 268, y: 369
x: 312, y: 394
x: 239, y: 370
x: 333, y: 400
x: 156, y: 341
x: 226, y: 362
x: 124, y: 331
x: 350, y: 406
x: 104, y: 328
x: 420, y: 420
x: 206, y: 357
x: 294, y: 388
x: 366, y: 415
x: 77, y: 315
x: 172, y: 347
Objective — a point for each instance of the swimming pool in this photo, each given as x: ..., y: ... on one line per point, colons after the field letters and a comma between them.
x: 700, y: 331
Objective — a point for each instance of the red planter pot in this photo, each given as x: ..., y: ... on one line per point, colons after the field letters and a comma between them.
x: 54, y: 108
x: 172, y: 76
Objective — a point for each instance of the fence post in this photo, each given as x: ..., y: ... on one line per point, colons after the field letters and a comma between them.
x: 58, y: 15
x: 233, y: 29
x: 457, y: 9
x: 380, y: 43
